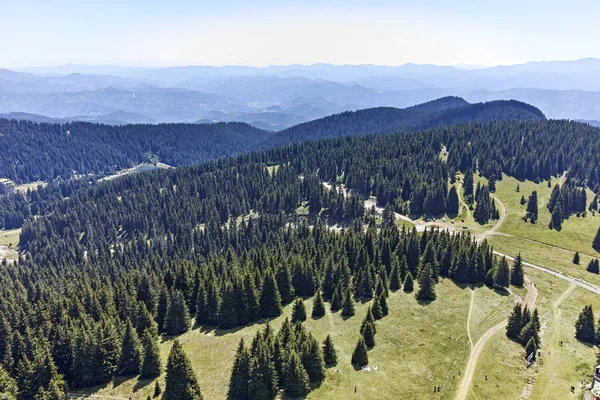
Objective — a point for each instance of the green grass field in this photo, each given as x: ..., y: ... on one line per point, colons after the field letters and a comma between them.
x: 558, y: 304
x: 418, y: 347
x: 9, y: 242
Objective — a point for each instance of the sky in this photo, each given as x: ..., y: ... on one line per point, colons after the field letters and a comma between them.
x: 266, y: 32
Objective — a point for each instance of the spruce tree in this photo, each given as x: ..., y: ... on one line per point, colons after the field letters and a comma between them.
x: 426, y: 290
x: 336, y: 299
x: 584, y: 326
x: 329, y: 353
x: 240, y: 374
x: 263, y: 375
x: 502, y: 274
x: 8, y: 386
x: 576, y: 258
x: 163, y: 307
x: 395, y: 279
x: 557, y: 217
x: 348, y: 304
x: 408, y: 283
x: 532, y: 207
x: 596, y: 242
x: 376, y: 309
x: 452, y: 201
x: 515, y: 322
x: 383, y: 305
x: 517, y: 274
x: 360, y: 358
x: 270, y: 301
x: 298, y: 311
x: 177, y: 320
x: 131, y: 352
x: 296, y: 382
x: 318, y: 309
x: 181, y: 382
x: 312, y: 359
x: 151, y: 365
x: 229, y: 316
x: 369, y: 319
x: 369, y: 335
x: 594, y: 266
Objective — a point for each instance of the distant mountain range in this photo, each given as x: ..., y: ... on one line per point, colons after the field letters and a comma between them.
x: 278, y: 97
x: 83, y: 148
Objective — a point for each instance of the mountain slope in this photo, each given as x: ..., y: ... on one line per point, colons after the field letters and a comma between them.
x: 444, y: 111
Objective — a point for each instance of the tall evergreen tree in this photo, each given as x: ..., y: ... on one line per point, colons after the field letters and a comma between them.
x: 312, y: 359
x: 240, y: 374
x: 408, y: 283
x: 517, y: 274
x: 594, y: 266
x: 576, y: 258
x: 426, y: 290
x: 298, y: 311
x: 360, y: 357
x: 229, y: 316
x: 532, y: 207
x: 502, y: 274
x: 318, y: 309
x: 270, y: 300
x: 181, y: 382
x: 515, y: 322
x: 584, y: 326
x: 151, y: 365
x: 329, y: 353
x: 8, y: 386
x: 348, y: 304
x: 369, y: 335
x: 296, y: 382
x: 177, y: 320
x: 596, y: 242
x: 131, y: 352
x: 452, y: 201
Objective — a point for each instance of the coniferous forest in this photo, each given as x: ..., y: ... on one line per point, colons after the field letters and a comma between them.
x: 107, y: 267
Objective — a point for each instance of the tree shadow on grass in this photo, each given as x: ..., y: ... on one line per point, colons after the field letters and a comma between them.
x: 502, y: 291
x: 142, y: 383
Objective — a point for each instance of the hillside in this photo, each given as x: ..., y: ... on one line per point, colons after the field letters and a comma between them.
x: 444, y: 111
x: 45, y: 151
x: 227, y: 244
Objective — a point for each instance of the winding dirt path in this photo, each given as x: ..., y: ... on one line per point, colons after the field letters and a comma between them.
x: 530, y: 299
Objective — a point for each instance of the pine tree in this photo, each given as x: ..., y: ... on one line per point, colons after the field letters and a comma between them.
x: 270, y: 300
x: 151, y: 366
x: 318, y: 309
x: 426, y: 290
x: 395, y: 279
x: 298, y: 311
x: 177, y: 320
x: 557, y: 217
x: 348, y: 304
x: 532, y: 207
x: 383, y: 305
x: 517, y: 273
x: 576, y: 258
x: 408, y: 283
x: 584, y: 326
x: 163, y: 307
x: 594, y: 266
x: 131, y: 352
x: 369, y: 335
x: 240, y: 374
x: 360, y: 357
x: 502, y: 274
x: 452, y: 201
x: 296, y: 382
x: 336, y: 300
x: 229, y: 316
x: 596, y: 242
x: 515, y: 322
x: 181, y: 382
x: 312, y: 359
x: 263, y: 375
x: 8, y: 386
x: 329, y: 353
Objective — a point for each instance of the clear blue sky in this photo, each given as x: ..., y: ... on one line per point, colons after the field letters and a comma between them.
x: 263, y: 32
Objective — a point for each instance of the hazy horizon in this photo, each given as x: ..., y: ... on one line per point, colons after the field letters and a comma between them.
x: 269, y: 32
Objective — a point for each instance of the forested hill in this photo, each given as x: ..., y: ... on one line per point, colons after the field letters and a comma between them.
x: 444, y: 111
x: 45, y: 151
x: 138, y: 256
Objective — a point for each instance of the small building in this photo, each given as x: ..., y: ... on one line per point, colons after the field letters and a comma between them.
x: 7, y: 186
